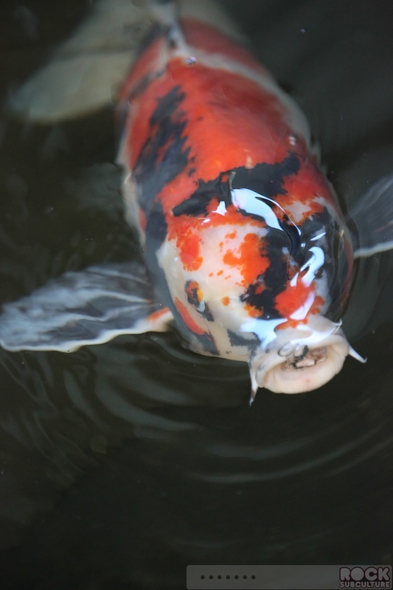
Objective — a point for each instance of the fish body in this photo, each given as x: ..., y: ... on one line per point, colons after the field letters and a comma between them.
x: 245, y: 247
x: 242, y: 233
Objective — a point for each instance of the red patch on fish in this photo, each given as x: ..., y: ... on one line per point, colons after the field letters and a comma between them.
x: 187, y: 318
x: 250, y: 260
x: 292, y: 298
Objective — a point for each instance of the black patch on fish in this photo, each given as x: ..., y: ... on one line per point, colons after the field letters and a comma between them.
x: 336, y: 266
x: 265, y: 301
x: 197, y: 204
x: 142, y: 84
x: 274, y: 279
x: 208, y: 343
x: 156, y: 30
x: 293, y: 236
x: 291, y: 230
x: 167, y: 106
x: 205, y: 340
x: 163, y: 156
x: 124, y: 106
x: 237, y: 340
x: 191, y: 288
x: 264, y: 179
x: 156, y: 227
x: 156, y: 231
x: 206, y: 313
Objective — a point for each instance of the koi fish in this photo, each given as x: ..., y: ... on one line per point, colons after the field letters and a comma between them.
x: 246, y: 250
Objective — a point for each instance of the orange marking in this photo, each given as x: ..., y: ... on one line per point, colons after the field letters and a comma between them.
x: 225, y: 301
x: 252, y: 311
x: 288, y: 301
x: 220, y: 272
x: 187, y: 319
x: 194, y: 293
x: 231, y: 236
x: 189, y: 250
x: 303, y: 187
x: 158, y: 314
x: 318, y: 303
x: 230, y: 259
x: 315, y: 308
x: 250, y: 261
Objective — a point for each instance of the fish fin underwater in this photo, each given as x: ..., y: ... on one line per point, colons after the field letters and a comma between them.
x: 372, y: 217
x: 246, y: 250
x: 87, y: 70
x: 86, y: 307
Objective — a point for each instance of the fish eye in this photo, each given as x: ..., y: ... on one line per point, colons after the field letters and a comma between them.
x: 338, y: 245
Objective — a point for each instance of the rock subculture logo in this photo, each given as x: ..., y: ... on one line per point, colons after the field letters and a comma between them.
x: 366, y: 577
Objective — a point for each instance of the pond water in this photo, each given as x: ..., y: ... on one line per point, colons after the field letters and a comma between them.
x: 122, y: 464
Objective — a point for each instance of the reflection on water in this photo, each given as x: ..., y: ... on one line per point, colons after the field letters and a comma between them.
x: 123, y: 463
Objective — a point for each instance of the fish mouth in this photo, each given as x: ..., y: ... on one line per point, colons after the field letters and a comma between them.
x: 301, y: 360
x: 304, y: 358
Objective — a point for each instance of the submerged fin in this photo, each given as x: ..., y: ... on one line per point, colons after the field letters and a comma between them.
x: 373, y: 218
x: 86, y: 71
x: 85, y: 307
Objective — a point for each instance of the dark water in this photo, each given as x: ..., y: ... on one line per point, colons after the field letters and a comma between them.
x: 122, y: 464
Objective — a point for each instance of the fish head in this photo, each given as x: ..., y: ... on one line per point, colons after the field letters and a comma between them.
x: 267, y: 282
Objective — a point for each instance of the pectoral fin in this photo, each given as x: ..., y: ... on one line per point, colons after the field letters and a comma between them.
x: 373, y: 219
x: 86, y: 307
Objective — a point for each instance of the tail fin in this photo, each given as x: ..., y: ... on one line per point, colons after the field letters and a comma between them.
x: 87, y: 70
x: 165, y: 11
